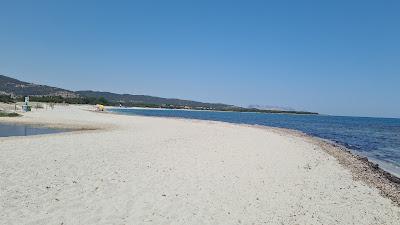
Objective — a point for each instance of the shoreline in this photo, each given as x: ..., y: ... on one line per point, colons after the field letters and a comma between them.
x: 361, y: 167
x: 393, y: 172
x: 220, y: 111
x: 303, y: 175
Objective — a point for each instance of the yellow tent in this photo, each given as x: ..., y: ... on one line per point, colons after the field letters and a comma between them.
x: 99, y: 107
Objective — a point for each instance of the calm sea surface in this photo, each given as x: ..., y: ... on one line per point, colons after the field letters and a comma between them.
x: 376, y: 138
x: 7, y: 130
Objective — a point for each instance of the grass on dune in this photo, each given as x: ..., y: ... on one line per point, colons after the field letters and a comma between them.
x: 6, y: 114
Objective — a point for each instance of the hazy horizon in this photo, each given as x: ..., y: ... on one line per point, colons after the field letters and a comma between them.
x: 336, y: 58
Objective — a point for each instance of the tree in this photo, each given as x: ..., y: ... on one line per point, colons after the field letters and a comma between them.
x: 103, y: 101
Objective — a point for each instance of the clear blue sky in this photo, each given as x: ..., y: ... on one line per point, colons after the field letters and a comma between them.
x: 333, y: 57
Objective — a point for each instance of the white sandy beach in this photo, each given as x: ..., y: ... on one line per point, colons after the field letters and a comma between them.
x: 144, y: 170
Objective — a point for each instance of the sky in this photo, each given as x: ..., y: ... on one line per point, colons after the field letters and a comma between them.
x: 331, y: 57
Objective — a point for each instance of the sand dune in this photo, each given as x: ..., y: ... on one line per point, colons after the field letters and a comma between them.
x: 143, y: 170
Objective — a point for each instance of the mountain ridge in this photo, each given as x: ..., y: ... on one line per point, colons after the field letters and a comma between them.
x: 15, y: 88
x: 147, y: 99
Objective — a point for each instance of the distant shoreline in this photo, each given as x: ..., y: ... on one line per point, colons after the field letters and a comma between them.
x: 216, y: 110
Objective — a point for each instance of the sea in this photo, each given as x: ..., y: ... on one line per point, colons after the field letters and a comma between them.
x: 376, y: 138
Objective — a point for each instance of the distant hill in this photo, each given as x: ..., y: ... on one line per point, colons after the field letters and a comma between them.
x: 17, y: 88
x: 14, y: 87
x: 128, y: 98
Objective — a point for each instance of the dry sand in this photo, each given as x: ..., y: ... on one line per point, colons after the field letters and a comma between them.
x: 143, y: 170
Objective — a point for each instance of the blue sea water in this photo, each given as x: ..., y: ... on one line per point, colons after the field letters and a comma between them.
x: 376, y: 138
x: 7, y: 130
